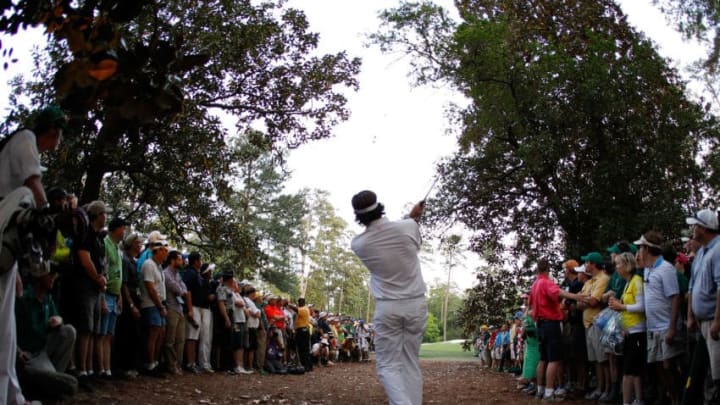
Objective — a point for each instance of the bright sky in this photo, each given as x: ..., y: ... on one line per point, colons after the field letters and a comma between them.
x: 396, y: 133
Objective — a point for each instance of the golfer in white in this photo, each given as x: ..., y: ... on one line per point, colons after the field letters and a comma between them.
x: 390, y: 251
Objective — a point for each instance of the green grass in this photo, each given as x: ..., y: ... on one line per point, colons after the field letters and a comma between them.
x: 451, y: 350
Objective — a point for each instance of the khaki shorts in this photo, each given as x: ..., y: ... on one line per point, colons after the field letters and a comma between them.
x: 713, y: 347
x: 595, y: 351
x: 658, y: 350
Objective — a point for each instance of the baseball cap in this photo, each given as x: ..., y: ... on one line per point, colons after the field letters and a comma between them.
x: 155, y: 236
x: 52, y: 116
x: 96, y: 208
x: 117, y: 222
x: 207, y: 268
x: 682, y: 258
x: 132, y: 238
x: 592, y: 257
x: 705, y: 218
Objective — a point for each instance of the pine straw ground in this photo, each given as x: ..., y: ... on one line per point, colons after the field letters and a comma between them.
x: 446, y: 382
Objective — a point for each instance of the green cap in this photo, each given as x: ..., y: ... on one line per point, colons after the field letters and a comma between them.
x: 593, y: 257
x: 52, y: 116
x: 616, y: 248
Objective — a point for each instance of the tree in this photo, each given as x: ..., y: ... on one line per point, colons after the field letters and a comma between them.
x: 699, y: 19
x: 452, y: 253
x: 576, y: 133
x: 150, y: 138
x: 432, y: 330
x: 492, y: 300
x: 336, y: 279
x: 436, y: 305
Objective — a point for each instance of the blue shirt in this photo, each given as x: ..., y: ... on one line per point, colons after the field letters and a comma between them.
x: 660, y: 286
x: 704, y: 280
x: 502, y: 339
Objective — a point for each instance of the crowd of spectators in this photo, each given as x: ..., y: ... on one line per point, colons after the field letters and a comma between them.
x: 117, y: 304
x: 663, y: 347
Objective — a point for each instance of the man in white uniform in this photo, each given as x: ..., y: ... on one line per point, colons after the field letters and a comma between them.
x: 20, y: 166
x: 390, y: 251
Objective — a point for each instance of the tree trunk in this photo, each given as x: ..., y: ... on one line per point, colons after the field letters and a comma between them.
x: 445, y: 304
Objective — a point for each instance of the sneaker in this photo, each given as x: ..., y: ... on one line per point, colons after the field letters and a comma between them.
x: 553, y: 398
x: 531, y: 389
x: 540, y: 393
x: 560, y: 392
x: 207, y: 370
x: 605, y: 397
x: 637, y: 402
x: 594, y: 395
x: 241, y: 370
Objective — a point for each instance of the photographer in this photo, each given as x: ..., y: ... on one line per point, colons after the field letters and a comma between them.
x: 20, y: 166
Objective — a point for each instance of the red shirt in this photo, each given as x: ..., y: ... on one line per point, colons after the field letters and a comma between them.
x: 545, y: 299
x: 272, y: 311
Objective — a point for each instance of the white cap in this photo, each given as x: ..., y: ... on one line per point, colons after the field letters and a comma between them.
x: 705, y: 218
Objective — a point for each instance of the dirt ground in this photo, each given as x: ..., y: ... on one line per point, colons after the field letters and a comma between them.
x: 446, y: 382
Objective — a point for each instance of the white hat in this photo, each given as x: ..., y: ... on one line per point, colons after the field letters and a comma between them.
x: 705, y: 218
x: 155, y: 236
x: 322, y: 315
x: 644, y: 242
x: 162, y: 243
x: 580, y: 269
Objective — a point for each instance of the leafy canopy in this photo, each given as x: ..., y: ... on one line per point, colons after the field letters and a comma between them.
x: 576, y: 133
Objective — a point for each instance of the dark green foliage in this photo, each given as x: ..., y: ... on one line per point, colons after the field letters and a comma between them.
x: 577, y: 133
x: 153, y: 139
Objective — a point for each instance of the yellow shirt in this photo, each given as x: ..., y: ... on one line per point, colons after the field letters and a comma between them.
x: 303, y: 318
x: 633, y: 289
x: 595, y: 288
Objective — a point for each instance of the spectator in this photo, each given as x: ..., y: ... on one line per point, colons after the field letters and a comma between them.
x: 575, y: 357
x: 703, y: 311
x: 197, y: 279
x: 545, y: 305
x: 361, y: 339
x: 177, y: 301
x: 532, y: 354
x: 152, y: 302
x: 112, y: 297
x: 153, y: 237
x: 20, y: 167
x: 662, y: 303
x: 20, y: 155
x: 45, y: 344
x: 233, y: 316
x: 289, y: 330
x: 92, y: 282
x: 262, y: 332
x: 273, y: 358
x: 483, y: 340
x: 502, y: 344
x: 302, y: 334
x: 128, y: 340
x: 276, y: 316
x: 615, y: 288
x: 631, y: 306
x: 589, y: 301
x: 253, y: 323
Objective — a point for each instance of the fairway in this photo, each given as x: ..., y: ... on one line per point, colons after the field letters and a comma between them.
x: 450, y: 350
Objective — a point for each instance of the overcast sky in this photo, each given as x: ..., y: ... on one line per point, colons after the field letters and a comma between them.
x: 396, y: 134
